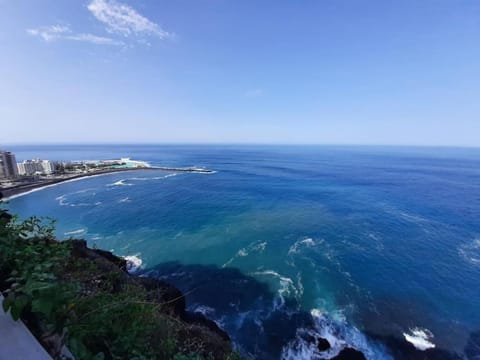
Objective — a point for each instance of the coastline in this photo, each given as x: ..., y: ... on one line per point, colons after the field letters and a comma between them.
x: 22, y: 190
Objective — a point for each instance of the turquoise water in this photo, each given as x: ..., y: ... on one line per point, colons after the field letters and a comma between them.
x: 362, y: 245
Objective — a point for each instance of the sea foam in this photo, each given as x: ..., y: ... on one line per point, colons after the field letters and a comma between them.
x: 120, y: 183
x: 64, y: 200
x: 339, y: 335
x: 255, y: 247
x: 286, y: 287
x: 75, y: 232
x: 296, y: 247
x: 471, y: 252
x: 134, y: 263
x: 153, y: 177
x: 420, y: 338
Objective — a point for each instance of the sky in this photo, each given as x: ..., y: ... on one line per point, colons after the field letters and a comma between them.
x: 386, y: 72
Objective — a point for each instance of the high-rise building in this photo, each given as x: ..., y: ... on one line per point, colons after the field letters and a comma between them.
x: 8, y: 165
x: 48, y: 167
x: 36, y: 167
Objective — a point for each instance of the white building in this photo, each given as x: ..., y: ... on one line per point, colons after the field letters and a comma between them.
x: 48, y: 167
x: 36, y: 167
x: 21, y: 169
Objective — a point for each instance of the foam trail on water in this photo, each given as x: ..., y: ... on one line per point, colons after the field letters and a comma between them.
x: 75, y: 232
x: 286, y: 287
x: 296, y: 247
x: 62, y: 200
x: 120, y: 183
x: 471, y: 252
x: 257, y: 247
x: 153, y: 178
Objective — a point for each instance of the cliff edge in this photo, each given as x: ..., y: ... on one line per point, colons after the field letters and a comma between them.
x: 82, y: 303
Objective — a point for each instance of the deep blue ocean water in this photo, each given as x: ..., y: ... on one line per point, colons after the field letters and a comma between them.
x: 361, y: 245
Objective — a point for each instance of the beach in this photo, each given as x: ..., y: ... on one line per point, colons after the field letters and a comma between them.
x: 12, y: 192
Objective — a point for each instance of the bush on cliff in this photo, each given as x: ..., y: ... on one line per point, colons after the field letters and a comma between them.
x: 71, y: 295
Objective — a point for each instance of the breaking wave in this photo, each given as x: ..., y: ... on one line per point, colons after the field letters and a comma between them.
x: 420, y: 338
x: 339, y: 335
x: 134, y: 263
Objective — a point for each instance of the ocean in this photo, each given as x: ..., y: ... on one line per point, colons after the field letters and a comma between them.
x: 375, y: 248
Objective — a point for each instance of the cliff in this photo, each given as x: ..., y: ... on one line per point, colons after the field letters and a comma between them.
x: 81, y: 299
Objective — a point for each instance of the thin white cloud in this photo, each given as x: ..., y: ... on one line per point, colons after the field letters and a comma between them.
x: 100, y: 40
x: 254, y: 93
x: 61, y: 32
x: 50, y: 33
x: 125, y: 20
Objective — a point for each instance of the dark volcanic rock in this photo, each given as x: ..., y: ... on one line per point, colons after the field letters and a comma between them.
x: 104, y: 259
x: 323, y: 344
x: 5, y: 216
x: 117, y: 261
x: 199, y: 319
x: 350, y: 354
x: 164, y: 293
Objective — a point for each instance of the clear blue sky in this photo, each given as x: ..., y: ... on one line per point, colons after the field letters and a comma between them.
x: 270, y: 71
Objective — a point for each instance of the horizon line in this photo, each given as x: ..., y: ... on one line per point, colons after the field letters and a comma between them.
x: 182, y: 143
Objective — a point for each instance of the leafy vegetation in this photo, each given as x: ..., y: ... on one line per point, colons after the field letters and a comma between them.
x: 75, y: 301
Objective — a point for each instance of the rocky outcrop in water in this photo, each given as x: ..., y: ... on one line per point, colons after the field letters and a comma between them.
x: 323, y: 344
x: 350, y: 354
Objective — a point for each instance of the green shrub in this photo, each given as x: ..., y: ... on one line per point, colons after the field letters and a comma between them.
x: 79, y: 302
